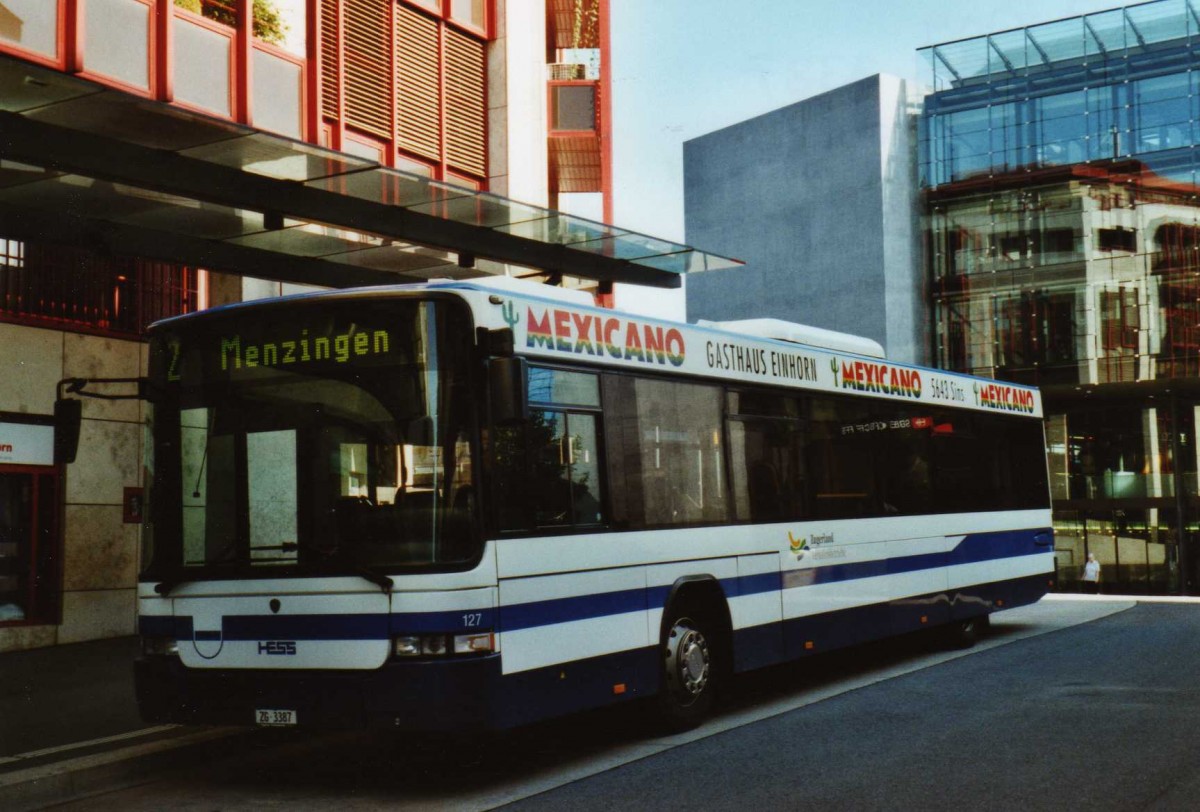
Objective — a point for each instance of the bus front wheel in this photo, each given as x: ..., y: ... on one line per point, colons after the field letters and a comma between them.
x: 688, y: 673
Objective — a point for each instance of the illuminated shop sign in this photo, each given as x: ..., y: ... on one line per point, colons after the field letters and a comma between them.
x: 26, y: 444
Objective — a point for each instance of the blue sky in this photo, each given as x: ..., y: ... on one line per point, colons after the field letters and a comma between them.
x: 682, y: 68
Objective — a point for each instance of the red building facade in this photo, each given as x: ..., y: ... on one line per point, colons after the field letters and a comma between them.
x: 494, y: 96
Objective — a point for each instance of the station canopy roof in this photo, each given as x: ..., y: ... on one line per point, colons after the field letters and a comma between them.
x: 80, y: 162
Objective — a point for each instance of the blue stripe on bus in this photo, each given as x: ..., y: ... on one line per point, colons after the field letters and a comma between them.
x: 267, y: 627
x: 973, y: 549
x: 306, y: 627
x: 156, y: 625
x: 746, y: 585
x: 319, y: 627
x: 564, y: 610
x: 457, y: 620
x: 737, y: 587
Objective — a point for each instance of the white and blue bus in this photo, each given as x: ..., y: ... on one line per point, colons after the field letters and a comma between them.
x: 460, y: 506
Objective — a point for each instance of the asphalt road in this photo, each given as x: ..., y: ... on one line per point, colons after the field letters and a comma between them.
x: 43, y: 703
x: 1102, y: 715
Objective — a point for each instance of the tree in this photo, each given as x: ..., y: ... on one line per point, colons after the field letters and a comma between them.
x: 269, y: 25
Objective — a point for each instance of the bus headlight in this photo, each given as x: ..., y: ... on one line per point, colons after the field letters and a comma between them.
x: 478, y: 643
x: 434, y: 644
x: 440, y: 645
x: 160, y: 647
x: 407, y: 645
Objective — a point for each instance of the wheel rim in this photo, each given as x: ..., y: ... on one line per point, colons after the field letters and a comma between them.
x: 688, y: 664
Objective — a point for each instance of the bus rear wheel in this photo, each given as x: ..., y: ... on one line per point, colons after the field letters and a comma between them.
x: 688, y: 672
x: 965, y: 633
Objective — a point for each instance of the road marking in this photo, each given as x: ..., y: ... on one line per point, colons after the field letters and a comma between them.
x: 63, y: 748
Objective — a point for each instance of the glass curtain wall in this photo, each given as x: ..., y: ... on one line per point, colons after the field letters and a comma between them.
x: 1060, y: 166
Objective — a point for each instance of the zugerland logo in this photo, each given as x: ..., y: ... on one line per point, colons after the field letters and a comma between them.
x: 280, y: 647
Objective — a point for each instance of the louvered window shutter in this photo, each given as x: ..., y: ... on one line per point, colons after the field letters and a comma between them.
x: 466, y: 103
x: 418, y: 102
x: 367, y: 82
x: 329, y: 58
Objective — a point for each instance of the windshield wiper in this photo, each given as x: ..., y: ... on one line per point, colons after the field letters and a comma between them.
x: 382, y: 581
x: 164, y: 586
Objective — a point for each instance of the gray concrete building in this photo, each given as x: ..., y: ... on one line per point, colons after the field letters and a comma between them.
x: 819, y: 198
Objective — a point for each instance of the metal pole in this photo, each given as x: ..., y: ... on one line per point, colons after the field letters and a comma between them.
x: 1180, y: 502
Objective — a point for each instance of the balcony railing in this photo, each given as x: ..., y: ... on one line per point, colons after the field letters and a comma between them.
x: 195, y: 54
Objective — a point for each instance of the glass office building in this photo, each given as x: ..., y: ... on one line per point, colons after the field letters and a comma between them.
x: 1059, y: 166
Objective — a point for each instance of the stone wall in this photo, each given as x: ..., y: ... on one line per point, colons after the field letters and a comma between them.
x: 99, y: 551
x: 819, y: 200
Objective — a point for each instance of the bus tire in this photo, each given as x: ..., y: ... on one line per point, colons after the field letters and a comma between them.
x: 965, y: 633
x: 689, y: 669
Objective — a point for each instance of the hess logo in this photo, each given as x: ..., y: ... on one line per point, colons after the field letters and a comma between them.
x: 281, y: 647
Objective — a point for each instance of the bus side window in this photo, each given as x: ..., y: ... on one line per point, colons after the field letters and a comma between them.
x: 666, y: 458
x: 766, y: 463
x: 566, y: 471
x: 963, y: 461
x: 840, y: 453
x: 548, y: 472
x: 1025, y: 464
x: 903, y: 450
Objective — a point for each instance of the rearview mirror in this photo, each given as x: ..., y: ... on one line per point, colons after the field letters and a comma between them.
x: 68, y: 413
x: 506, y: 383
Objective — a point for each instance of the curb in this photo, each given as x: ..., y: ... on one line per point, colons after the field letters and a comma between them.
x: 40, y: 785
x: 1107, y: 598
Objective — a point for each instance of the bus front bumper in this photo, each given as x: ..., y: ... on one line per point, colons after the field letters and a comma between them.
x: 423, y: 695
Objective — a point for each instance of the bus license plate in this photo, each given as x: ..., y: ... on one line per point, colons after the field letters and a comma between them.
x: 269, y: 717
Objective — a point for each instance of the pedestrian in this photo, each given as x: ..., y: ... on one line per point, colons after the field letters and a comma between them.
x: 1091, y: 575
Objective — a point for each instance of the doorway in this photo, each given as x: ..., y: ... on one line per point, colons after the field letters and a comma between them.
x: 30, y: 550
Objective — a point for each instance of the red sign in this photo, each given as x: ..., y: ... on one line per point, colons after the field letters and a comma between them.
x: 135, y: 502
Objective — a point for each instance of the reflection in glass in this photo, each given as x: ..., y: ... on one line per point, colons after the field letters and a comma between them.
x: 471, y: 12
x: 560, y: 386
x: 1062, y: 221
x: 565, y: 473
x: 548, y: 470
x: 31, y: 24
x: 332, y: 441
x: 672, y: 465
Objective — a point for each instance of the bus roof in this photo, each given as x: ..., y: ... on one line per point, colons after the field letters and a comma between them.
x: 558, y: 326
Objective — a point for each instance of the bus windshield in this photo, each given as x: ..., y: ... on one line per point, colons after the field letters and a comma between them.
x: 328, y: 437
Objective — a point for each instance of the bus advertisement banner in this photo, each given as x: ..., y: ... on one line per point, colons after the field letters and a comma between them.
x: 555, y: 331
